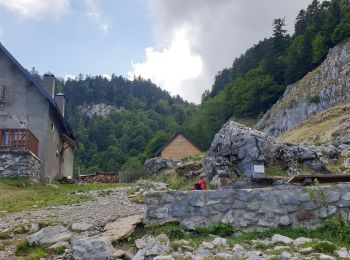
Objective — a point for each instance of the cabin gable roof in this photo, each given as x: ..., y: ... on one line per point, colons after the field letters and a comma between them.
x: 173, y: 138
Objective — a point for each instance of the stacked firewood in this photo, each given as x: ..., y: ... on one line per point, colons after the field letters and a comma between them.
x: 110, y: 177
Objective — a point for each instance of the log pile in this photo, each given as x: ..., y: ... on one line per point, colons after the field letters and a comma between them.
x: 103, y: 177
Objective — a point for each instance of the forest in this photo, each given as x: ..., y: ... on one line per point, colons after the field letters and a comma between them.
x: 145, y: 116
x: 258, y: 78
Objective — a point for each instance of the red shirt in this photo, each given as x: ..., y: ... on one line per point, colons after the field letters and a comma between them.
x: 203, y: 184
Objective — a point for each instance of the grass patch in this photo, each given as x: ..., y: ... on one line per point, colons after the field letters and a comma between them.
x: 195, y: 158
x: 18, y: 194
x: 247, y: 121
x: 221, y: 229
x: 320, y: 246
x: 140, y: 199
x: 174, y: 181
x: 24, y: 251
x: 335, y: 230
x: 275, y: 170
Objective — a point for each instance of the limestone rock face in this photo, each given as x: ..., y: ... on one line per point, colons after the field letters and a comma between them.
x: 242, y: 146
x: 325, y: 87
x: 155, y: 165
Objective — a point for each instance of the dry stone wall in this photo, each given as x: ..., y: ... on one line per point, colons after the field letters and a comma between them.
x: 19, y: 164
x: 260, y: 208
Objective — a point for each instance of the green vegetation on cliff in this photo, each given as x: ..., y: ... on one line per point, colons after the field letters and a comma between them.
x: 258, y: 78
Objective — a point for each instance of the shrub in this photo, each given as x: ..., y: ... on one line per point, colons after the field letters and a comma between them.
x: 221, y: 229
x: 338, y: 227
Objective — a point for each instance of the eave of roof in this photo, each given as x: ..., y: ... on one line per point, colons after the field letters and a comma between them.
x: 66, y: 126
x: 173, y: 138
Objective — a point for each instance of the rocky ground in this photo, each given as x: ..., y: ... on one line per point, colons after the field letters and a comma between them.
x: 277, y: 247
x: 88, y: 219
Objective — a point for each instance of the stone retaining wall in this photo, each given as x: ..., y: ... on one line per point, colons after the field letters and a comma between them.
x: 250, y: 208
x: 19, y: 164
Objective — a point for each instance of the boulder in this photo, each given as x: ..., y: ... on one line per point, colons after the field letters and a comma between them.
x: 121, y: 228
x: 347, y: 163
x: 345, y: 140
x: 220, y: 242
x: 281, y: 239
x: 213, y: 165
x: 190, y: 170
x: 155, y: 165
x: 150, y: 247
x: 49, y: 235
x: 84, y: 248
x: 247, y: 146
x: 82, y: 226
x: 301, y: 240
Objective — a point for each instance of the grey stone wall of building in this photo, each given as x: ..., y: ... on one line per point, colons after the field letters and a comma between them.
x: 20, y: 164
x: 250, y: 209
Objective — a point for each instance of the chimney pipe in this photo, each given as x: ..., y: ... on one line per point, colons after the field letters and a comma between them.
x: 60, y: 100
x: 49, y: 84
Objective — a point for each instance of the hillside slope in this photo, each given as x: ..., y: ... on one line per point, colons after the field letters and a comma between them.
x: 329, y: 125
x: 325, y: 87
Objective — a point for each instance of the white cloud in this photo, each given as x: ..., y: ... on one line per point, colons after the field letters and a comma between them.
x: 170, y: 67
x: 94, y: 13
x: 106, y: 76
x: 1, y: 32
x: 37, y: 9
x: 217, y: 33
x: 70, y: 77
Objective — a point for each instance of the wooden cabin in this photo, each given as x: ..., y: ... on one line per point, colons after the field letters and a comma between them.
x: 180, y: 146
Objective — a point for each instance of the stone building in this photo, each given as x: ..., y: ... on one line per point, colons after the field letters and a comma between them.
x: 32, y: 121
x: 180, y: 146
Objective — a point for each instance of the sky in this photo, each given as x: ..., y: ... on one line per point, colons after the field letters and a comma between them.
x: 179, y: 44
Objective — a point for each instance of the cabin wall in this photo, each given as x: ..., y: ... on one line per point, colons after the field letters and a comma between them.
x: 67, y: 162
x: 180, y: 148
x: 24, y: 106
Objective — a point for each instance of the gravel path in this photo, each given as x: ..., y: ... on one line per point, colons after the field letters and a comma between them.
x: 99, y: 211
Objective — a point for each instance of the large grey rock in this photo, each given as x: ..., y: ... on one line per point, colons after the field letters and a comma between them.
x: 81, y: 226
x: 150, y: 247
x: 301, y: 240
x: 121, y: 228
x: 328, y: 84
x: 91, y: 248
x: 248, y: 146
x: 214, y: 165
x: 49, y: 235
x: 189, y: 170
x: 156, y: 165
x: 281, y: 239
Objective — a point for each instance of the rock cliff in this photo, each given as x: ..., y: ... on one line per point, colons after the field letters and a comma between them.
x: 326, y: 86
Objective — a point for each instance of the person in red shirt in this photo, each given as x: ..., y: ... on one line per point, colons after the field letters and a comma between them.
x: 201, y: 185
x: 202, y: 182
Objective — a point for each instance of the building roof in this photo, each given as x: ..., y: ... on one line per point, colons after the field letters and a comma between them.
x: 64, y: 123
x: 173, y: 138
